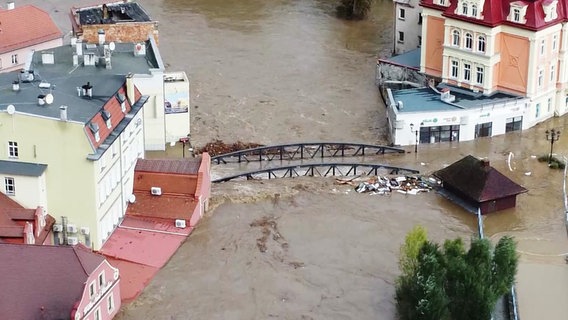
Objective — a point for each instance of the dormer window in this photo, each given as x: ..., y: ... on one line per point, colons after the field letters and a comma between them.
x: 122, y: 100
x: 106, y: 117
x: 517, y: 12
x: 474, y: 11
x: 464, y: 9
x: 550, y: 11
x: 444, y: 3
x: 95, y: 131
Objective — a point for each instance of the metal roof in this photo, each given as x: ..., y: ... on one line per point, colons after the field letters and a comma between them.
x: 22, y: 168
x: 410, y: 59
x: 62, y: 80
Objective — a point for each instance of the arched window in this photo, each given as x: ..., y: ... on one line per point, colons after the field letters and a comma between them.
x: 456, y: 37
x: 481, y: 44
x: 468, y: 41
x: 464, y: 8
x: 474, y: 10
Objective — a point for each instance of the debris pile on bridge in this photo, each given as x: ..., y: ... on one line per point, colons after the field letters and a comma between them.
x: 217, y: 147
x: 385, y: 185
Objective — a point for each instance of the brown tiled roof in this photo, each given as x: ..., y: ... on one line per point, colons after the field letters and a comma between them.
x: 179, y: 166
x: 42, y: 282
x: 476, y: 179
x: 25, y: 26
x: 13, y: 217
x: 165, y: 206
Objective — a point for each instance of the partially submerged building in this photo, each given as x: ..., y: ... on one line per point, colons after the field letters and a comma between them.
x: 502, y: 61
x: 473, y: 183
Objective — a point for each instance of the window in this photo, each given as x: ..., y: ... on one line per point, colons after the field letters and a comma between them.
x: 401, y: 13
x: 552, y: 73
x: 542, y: 47
x: 467, y: 71
x: 101, y: 279
x: 439, y: 134
x: 513, y: 124
x: 554, y: 42
x: 419, y: 41
x: 468, y: 41
x: 13, y: 149
x: 10, y: 186
x: 106, y: 117
x: 92, y: 289
x: 0, y: 63
x: 549, y: 104
x: 464, y: 9
x: 14, y: 59
x: 540, y: 77
x: 98, y: 314
x: 419, y: 18
x: 481, y: 44
x: 516, y: 15
x: 479, y: 75
x: 110, y: 304
x: 456, y: 38
x: 455, y: 66
x: 473, y: 10
x: 442, y: 2
x: 537, y: 110
x: 483, y: 129
x: 400, y: 36
x: 95, y: 130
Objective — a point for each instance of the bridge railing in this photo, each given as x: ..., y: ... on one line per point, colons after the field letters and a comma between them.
x: 297, y: 151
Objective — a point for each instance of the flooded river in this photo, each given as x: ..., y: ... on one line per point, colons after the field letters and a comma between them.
x: 280, y: 71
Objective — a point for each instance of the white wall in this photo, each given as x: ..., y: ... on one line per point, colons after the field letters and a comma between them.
x: 408, y: 25
x: 30, y: 191
x: 6, y: 64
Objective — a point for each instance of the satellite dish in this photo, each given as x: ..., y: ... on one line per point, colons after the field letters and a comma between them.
x: 111, y: 46
x: 11, y: 109
x: 49, y: 98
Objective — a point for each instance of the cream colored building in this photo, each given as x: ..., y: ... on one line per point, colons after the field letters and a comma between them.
x: 87, y: 128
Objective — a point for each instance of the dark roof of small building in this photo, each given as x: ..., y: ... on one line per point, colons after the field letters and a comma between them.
x: 177, y: 166
x: 476, y: 179
x: 18, y: 168
x: 62, y: 79
x: 43, y: 282
x: 26, y: 26
x: 118, y: 12
x: 410, y: 59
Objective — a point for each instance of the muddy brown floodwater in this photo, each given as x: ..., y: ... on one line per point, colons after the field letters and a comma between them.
x: 281, y: 71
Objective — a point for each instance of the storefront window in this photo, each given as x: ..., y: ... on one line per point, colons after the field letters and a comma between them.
x: 439, y: 134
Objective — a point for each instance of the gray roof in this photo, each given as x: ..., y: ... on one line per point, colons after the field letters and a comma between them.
x: 410, y: 59
x: 22, y: 168
x: 428, y: 100
x: 63, y: 79
x: 118, y: 12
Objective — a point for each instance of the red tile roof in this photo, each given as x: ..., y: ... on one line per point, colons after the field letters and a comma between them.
x: 495, y: 13
x: 13, y: 218
x: 179, y: 166
x: 43, y: 282
x: 25, y: 26
x: 164, y: 206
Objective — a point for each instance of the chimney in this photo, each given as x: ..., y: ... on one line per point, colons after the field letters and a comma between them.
x: 130, y: 89
x: 88, y: 90
x: 63, y: 113
x: 446, y: 96
x: 101, y: 34
x: 16, y: 85
x: 485, y: 163
x: 10, y: 5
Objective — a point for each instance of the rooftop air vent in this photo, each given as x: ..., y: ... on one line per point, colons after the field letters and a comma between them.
x: 47, y: 58
x: 16, y: 85
x: 156, y: 191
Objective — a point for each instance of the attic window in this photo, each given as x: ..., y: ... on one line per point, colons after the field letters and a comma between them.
x: 550, y: 11
x: 444, y: 3
x: 106, y: 117
x: 517, y: 12
x: 122, y: 100
x: 95, y: 130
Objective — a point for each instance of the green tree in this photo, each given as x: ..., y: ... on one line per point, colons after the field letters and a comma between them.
x: 354, y: 9
x: 452, y: 283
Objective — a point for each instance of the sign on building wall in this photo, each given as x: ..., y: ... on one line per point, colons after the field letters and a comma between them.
x: 176, y: 94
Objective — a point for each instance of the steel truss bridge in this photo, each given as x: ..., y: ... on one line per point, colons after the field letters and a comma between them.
x: 318, y: 170
x: 302, y: 151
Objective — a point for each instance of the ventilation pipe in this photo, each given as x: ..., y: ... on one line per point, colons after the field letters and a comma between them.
x: 130, y: 89
x: 63, y: 113
x: 101, y: 34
